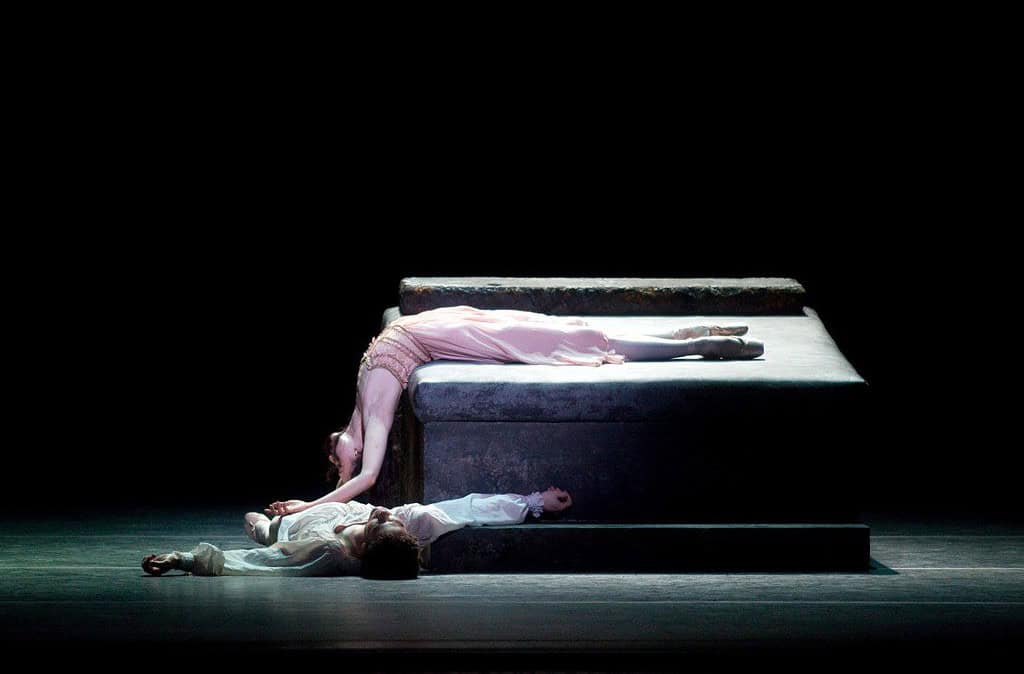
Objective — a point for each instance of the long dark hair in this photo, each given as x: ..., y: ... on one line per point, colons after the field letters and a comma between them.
x: 330, y: 442
x: 333, y: 474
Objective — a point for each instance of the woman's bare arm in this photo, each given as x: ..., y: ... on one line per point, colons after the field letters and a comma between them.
x: 379, y: 402
x: 375, y: 444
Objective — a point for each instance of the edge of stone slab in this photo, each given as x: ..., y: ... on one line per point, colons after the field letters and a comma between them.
x: 392, y: 313
x: 606, y: 296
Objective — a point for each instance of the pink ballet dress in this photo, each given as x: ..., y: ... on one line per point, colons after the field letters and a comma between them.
x: 485, y: 336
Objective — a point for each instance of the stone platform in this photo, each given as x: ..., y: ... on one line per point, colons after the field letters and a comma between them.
x: 709, y: 458
x: 687, y: 440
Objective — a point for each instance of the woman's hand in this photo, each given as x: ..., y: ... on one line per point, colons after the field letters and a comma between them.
x: 285, y: 507
x: 555, y: 500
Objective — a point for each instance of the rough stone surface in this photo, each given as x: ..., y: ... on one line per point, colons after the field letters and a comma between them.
x: 607, y: 296
x: 544, y: 547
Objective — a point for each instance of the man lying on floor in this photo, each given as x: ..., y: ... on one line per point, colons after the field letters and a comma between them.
x: 340, y: 539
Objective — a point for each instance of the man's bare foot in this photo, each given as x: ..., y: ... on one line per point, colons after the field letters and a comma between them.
x: 257, y: 527
x: 156, y: 565
x: 730, y: 348
x: 696, y: 331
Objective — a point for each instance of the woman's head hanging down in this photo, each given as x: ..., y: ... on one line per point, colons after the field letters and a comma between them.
x: 486, y: 336
x: 344, y: 455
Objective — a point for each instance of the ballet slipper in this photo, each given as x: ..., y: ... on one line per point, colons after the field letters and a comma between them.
x: 732, y: 348
x: 257, y: 527
x: 697, y: 331
x: 727, y: 330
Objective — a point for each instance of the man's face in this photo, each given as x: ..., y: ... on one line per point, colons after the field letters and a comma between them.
x: 379, y: 522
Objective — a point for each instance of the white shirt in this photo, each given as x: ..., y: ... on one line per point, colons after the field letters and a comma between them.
x: 307, y: 545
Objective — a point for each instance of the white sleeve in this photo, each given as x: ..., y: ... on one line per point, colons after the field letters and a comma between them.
x: 313, y: 557
x: 429, y: 522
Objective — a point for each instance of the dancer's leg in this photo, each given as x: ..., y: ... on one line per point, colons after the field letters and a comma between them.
x: 644, y: 347
x: 695, y: 331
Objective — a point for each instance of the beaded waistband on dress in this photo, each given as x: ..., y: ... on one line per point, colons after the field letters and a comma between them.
x: 396, y: 350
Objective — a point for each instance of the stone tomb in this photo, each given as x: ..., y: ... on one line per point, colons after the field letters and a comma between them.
x: 673, y: 465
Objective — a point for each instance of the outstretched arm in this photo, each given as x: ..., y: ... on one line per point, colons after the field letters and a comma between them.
x: 428, y: 523
x: 378, y: 415
x: 375, y: 442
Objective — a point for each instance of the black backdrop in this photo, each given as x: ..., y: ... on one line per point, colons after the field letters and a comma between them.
x: 210, y: 372
x: 203, y: 268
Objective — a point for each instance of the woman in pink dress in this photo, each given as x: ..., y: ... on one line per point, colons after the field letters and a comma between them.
x: 486, y: 336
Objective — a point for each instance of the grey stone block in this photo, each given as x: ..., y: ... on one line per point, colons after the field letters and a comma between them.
x: 777, y: 439
x: 800, y: 356
x: 560, y: 548
x: 607, y: 296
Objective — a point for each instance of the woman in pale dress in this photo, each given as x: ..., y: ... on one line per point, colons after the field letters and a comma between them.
x: 487, y: 336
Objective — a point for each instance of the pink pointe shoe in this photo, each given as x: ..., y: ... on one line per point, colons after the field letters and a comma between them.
x: 695, y: 331
x: 732, y: 348
x: 257, y: 527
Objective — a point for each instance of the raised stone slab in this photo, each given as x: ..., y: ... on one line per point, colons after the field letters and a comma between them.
x: 607, y: 296
x: 638, y: 548
x: 800, y: 356
x: 777, y: 439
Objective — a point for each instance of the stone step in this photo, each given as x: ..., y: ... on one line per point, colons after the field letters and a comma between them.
x: 606, y: 296
x: 567, y: 547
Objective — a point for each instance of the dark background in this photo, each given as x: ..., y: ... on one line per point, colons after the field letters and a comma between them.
x: 208, y: 247
x: 210, y: 374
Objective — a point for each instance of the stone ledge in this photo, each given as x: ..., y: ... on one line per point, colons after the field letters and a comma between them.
x: 607, y: 296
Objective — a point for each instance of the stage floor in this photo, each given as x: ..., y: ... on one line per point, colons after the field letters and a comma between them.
x: 938, y: 589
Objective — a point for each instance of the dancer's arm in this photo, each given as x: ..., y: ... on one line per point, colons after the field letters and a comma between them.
x: 378, y: 416
x: 378, y: 402
x: 428, y: 523
x: 375, y: 444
